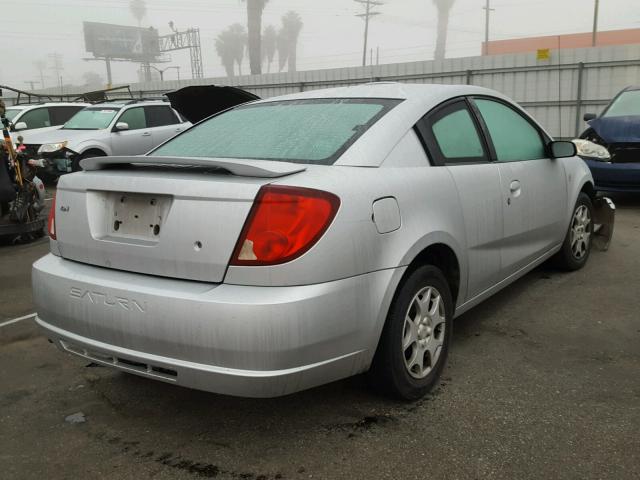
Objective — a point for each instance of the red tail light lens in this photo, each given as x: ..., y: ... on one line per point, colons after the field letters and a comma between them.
x: 51, y: 223
x: 284, y: 223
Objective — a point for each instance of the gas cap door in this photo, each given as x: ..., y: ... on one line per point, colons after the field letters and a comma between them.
x: 386, y: 214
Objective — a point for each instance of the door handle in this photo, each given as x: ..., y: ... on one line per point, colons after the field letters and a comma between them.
x: 146, y: 134
x: 178, y: 129
x: 515, y: 186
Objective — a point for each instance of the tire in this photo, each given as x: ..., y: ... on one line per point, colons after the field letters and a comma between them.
x: 75, y: 164
x: 396, y: 369
x: 577, y: 244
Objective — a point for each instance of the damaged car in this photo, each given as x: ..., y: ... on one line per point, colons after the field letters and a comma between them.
x: 611, y: 144
x: 281, y: 244
x: 129, y: 127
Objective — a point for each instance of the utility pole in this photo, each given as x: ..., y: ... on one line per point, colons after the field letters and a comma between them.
x: 56, y: 66
x: 488, y: 10
x: 40, y: 66
x: 31, y: 83
x: 366, y: 16
x: 594, y: 37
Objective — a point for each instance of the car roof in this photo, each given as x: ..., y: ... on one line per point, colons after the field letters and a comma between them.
x: 25, y: 106
x: 119, y: 103
x: 419, y: 93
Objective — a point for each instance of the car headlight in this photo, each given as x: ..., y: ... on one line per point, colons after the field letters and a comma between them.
x: 592, y: 151
x: 52, y: 147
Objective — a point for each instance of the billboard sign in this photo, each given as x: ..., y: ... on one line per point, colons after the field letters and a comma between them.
x: 121, y: 41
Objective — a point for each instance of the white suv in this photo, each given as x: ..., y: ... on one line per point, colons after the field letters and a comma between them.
x: 130, y: 127
x: 41, y: 116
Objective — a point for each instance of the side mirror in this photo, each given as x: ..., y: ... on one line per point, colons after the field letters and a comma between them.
x: 589, y: 116
x: 20, y: 126
x: 563, y: 149
x: 122, y: 126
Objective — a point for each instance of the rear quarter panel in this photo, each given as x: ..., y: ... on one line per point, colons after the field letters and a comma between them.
x: 429, y: 209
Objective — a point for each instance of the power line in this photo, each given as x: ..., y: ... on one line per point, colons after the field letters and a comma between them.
x: 366, y: 16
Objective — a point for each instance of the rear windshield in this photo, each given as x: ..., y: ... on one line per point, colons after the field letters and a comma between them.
x: 91, y: 119
x: 302, y: 131
x: 627, y: 104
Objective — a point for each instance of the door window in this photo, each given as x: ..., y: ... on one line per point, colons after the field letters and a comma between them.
x: 159, y: 116
x: 514, y: 137
x: 135, y: 118
x: 38, y: 118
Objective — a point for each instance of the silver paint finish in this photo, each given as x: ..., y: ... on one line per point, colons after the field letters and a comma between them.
x: 316, y: 318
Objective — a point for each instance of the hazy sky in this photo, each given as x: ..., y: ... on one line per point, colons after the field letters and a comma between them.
x: 331, y: 37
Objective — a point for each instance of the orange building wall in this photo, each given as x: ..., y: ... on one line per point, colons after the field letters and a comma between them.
x: 574, y: 40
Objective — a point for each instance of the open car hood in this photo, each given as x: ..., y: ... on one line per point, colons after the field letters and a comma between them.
x: 198, y: 102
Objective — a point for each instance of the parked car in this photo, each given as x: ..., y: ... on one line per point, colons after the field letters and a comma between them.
x: 40, y: 117
x: 611, y: 144
x: 130, y: 127
x: 290, y: 242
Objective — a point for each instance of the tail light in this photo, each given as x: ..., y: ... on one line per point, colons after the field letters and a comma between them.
x: 51, y: 223
x: 284, y: 223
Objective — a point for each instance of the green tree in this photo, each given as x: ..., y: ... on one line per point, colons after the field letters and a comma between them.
x: 138, y: 10
x: 291, y: 27
x: 269, y: 45
x: 230, y: 45
x: 444, y: 8
x: 254, y: 26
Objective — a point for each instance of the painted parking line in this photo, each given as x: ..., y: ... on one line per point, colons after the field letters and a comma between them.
x: 16, y: 320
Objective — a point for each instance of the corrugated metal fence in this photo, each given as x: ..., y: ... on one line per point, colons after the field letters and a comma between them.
x: 557, y: 91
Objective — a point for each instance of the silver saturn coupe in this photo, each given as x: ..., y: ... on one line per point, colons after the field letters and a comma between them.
x: 290, y: 242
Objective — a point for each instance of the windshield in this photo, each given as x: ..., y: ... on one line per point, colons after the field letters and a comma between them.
x: 91, y: 119
x: 627, y: 104
x: 302, y: 131
x: 12, y: 112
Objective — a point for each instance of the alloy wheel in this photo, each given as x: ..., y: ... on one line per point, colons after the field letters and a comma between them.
x: 423, y: 332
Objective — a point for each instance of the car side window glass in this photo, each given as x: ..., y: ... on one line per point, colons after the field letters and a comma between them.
x: 456, y: 136
x: 514, y: 137
x: 135, y: 118
x: 159, y: 116
x: 37, y: 118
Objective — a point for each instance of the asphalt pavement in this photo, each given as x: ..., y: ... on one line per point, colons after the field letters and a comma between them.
x: 543, y: 381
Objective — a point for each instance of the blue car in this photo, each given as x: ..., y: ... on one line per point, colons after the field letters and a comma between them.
x: 611, y: 144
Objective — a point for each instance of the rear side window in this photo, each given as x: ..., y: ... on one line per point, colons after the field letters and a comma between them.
x: 37, y: 118
x: 303, y: 131
x: 135, y: 118
x: 60, y: 115
x: 513, y: 136
x: 457, y: 136
x: 159, y: 116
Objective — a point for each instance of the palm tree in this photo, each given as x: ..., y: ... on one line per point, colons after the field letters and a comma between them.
x: 269, y: 45
x: 444, y: 8
x: 230, y: 45
x: 282, y: 45
x: 254, y: 25
x: 138, y: 9
x: 291, y: 27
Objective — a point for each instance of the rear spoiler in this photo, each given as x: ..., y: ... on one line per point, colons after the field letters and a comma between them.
x: 240, y: 167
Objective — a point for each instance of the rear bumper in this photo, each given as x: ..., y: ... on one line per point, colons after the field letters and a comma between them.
x: 615, y: 177
x: 235, y: 340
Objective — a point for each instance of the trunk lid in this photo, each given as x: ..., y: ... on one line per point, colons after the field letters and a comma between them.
x: 172, y: 219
